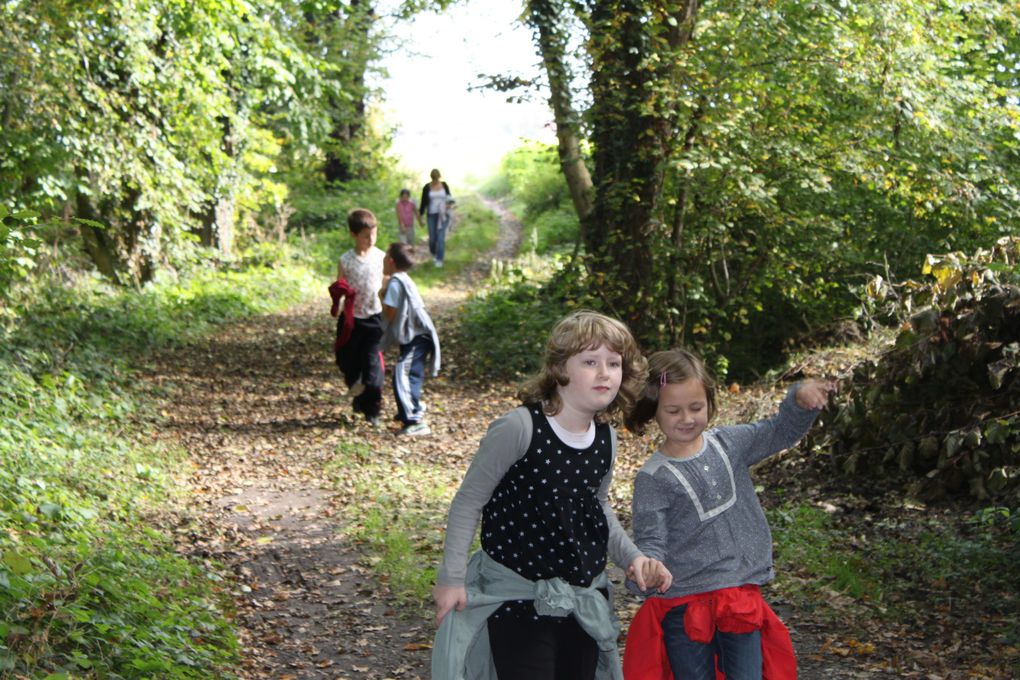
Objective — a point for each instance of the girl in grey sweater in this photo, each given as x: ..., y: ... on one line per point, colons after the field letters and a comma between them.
x: 695, y: 509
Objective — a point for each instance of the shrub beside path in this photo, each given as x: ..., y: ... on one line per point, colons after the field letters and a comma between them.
x: 270, y: 437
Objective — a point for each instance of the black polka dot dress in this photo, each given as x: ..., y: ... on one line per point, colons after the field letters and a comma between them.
x: 544, y: 519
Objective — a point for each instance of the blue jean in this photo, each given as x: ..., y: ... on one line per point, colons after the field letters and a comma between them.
x: 408, y: 377
x: 739, y: 653
x: 437, y: 236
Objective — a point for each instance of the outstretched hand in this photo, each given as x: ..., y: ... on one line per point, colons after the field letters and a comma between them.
x: 448, y: 598
x: 649, y: 573
x: 814, y: 394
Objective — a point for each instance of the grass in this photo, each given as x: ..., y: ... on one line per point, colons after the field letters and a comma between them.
x: 87, y: 589
x: 894, y: 567
x: 810, y: 548
x: 398, y: 517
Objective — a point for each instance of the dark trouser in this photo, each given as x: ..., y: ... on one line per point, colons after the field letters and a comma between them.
x: 545, y: 649
x: 739, y: 653
x: 361, y: 359
x: 408, y: 377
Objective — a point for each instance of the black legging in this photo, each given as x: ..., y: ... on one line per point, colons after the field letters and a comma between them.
x: 550, y: 648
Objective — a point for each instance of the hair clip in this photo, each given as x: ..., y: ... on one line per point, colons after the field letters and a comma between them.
x: 662, y: 379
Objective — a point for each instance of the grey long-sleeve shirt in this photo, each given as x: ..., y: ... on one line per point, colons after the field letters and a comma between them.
x: 700, y: 515
x: 506, y: 440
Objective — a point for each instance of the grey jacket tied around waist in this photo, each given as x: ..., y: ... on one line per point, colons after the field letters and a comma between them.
x: 461, y: 650
x: 411, y: 315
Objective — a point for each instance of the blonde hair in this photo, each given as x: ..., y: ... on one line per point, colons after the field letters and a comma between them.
x: 575, y: 333
x: 665, y: 368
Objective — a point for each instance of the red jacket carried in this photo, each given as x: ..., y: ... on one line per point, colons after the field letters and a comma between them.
x: 730, y: 610
x: 341, y: 289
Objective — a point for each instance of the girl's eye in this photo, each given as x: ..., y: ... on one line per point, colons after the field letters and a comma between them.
x: 615, y: 364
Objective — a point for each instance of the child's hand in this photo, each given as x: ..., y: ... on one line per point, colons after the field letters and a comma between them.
x: 657, y: 575
x: 814, y: 394
x: 649, y: 573
x: 447, y: 598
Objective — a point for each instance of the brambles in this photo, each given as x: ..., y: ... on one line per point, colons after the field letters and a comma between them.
x: 943, y: 406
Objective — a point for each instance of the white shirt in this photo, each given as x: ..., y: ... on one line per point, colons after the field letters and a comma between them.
x: 364, y: 273
x: 437, y: 201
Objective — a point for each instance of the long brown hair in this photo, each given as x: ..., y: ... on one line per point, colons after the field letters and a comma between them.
x: 575, y: 333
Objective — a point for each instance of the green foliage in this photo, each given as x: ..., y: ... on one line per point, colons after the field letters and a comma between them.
x: 86, y: 587
x: 530, y: 177
x: 172, y: 122
x: 807, y: 542
x: 506, y: 328
x: 754, y: 162
x: 551, y: 231
x: 18, y: 246
x: 942, y: 406
x: 505, y: 325
x: 82, y: 588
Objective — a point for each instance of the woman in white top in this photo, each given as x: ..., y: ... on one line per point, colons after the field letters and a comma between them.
x: 434, y: 197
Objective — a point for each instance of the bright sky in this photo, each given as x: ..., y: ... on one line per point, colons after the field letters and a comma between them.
x: 438, y: 122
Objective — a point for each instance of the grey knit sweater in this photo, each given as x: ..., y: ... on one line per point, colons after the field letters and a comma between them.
x: 701, y: 516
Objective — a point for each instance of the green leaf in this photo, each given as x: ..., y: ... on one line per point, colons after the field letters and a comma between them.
x: 91, y: 223
x: 51, y: 510
x: 18, y: 563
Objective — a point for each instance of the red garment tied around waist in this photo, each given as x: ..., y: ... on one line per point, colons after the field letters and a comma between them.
x: 729, y: 610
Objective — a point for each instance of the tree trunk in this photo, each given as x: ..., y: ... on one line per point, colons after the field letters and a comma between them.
x: 349, y: 119
x: 220, y: 215
x: 98, y: 244
x: 632, y: 56
x: 544, y: 15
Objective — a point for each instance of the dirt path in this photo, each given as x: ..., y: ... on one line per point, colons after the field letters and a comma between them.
x: 263, y: 416
x: 261, y: 412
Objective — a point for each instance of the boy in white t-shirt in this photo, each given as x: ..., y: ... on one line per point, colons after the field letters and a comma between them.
x: 359, y: 357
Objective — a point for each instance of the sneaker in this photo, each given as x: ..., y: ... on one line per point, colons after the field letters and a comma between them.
x: 374, y: 421
x: 416, y: 429
x: 439, y: 263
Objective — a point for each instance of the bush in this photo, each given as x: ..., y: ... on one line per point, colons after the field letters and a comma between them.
x: 505, y: 326
x: 942, y: 407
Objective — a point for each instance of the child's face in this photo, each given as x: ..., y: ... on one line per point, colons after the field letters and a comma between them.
x: 388, y: 265
x: 594, y: 379
x: 683, y: 416
x: 365, y: 239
